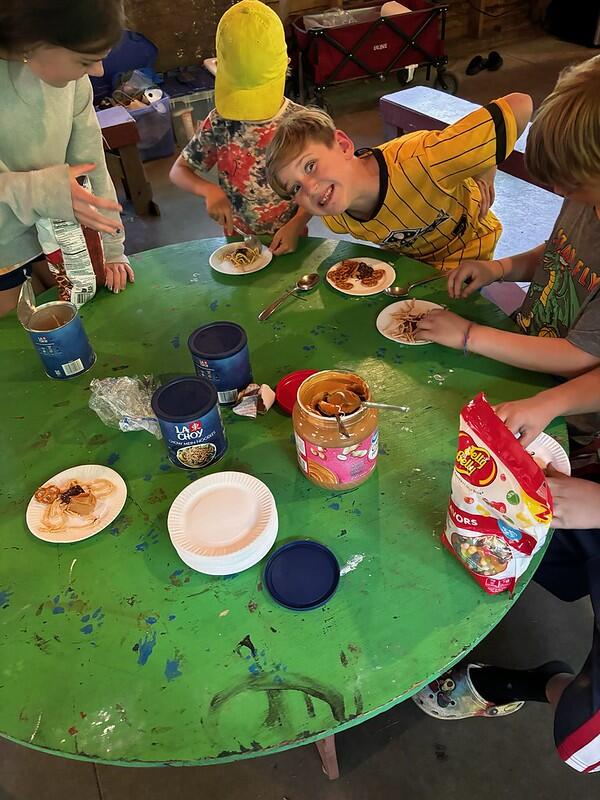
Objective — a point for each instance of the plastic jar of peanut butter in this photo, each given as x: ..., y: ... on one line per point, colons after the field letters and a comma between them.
x: 327, y: 458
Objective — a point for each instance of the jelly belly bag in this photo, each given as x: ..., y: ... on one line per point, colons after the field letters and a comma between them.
x: 500, y: 508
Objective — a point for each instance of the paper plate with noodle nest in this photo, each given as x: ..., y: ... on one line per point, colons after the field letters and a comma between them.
x: 76, y: 504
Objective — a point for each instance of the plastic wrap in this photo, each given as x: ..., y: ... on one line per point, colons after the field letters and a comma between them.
x: 124, y: 403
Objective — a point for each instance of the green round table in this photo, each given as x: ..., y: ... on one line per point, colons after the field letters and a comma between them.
x: 113, y: 650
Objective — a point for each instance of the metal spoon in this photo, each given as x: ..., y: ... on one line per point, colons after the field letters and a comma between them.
x: 343, y: 431
x: 402, y: 291
x: 385, y: 406
x: 303, y: 284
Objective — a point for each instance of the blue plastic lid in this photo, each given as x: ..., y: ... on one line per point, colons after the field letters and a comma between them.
x: 302, y: 575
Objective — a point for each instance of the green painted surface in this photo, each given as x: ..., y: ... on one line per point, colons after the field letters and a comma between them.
x: 113, y: 650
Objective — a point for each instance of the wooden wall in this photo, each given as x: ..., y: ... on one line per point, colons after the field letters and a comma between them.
x: 184, y: 30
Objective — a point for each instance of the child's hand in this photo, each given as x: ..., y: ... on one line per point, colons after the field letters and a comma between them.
x: 528, y: 417
x: 286, y: 238
x: 471, y: 276
x: 485, y: 181
x: 117, y: 274
x: 576, y: 502
x: 219, y: 208
x: 443, y: 327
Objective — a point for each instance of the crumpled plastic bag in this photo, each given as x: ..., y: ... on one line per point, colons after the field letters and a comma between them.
x: 124, y: 403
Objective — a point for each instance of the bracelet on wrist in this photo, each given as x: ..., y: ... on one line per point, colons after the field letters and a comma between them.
x: 501, y: 265
x: 466, y: 339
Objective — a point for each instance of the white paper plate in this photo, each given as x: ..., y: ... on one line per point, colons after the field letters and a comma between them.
x: 385, y: 321
x: 358, y: 290
x: 219, y: 263
x: 221, y: 514
x: 546, y: 450
x: 106, y: 510
x: 230, y: 565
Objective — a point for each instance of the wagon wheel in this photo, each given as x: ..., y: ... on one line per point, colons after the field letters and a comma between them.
x: 446, y: 82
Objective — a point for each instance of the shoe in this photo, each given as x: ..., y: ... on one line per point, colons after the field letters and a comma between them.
x: 494, y: 61
x: 475, y: 65
x: 453, y: 696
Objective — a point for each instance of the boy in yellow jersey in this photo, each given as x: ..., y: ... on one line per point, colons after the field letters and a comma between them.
x: 416, y: 195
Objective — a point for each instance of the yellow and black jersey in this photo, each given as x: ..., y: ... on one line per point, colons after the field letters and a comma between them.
x: 428, y: 205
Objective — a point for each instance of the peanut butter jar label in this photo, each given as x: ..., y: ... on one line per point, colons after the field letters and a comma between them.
x: 337, y: 466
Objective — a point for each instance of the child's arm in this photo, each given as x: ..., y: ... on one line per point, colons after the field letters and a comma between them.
x: 576, y: 502
x: 529, y: 417
x: 537, y: 353
x: 286, y: 238
x: 473, y: 144
x: 217, y: 202
x: 481, y: 273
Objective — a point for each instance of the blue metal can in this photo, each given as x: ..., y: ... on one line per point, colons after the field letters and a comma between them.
x: 60, y: 340
x: 220, y: 353
x: 190, y: 420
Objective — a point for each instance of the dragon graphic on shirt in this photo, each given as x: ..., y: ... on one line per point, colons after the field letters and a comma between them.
x: 551, y: 308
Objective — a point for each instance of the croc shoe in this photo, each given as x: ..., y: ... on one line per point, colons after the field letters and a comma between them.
x: 453, y: 696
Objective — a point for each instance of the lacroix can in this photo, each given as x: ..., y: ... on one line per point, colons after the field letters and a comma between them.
x: 188, y: 412
x: 58, y: 336
x: 220, y: 353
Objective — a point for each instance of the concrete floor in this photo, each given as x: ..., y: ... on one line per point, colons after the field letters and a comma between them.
x: 402, y: 753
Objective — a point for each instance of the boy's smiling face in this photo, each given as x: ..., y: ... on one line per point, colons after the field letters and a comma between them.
x: 319, y: 179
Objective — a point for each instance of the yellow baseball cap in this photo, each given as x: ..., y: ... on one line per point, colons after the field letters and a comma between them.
x: 251, y: 62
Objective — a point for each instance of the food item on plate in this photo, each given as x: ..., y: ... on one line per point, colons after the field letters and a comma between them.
x: 242, y: 256
x: 500, y: 509
x: 73, y: 504
x: 351, y: 270
x: 404, y: 322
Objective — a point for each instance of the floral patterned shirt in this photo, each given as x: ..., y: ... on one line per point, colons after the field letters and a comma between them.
x: 238, y: 149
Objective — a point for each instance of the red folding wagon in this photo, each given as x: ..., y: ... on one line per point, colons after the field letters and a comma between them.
x: 336, y: 47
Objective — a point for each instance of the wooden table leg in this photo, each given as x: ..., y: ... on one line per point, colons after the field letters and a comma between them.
x: 138, y: 187
x: 326, y: 748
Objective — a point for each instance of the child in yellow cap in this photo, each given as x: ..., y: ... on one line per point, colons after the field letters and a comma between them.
x: 252, y: 62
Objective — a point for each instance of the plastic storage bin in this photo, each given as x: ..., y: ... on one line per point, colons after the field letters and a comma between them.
x: 155, y: 129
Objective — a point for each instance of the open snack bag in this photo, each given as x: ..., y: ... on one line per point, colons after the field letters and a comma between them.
x: 500, y: 508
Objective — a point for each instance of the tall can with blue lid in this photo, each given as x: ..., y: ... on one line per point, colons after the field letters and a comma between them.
x: 189, y: 416
x: 58, y: 336
x: 220, y: 354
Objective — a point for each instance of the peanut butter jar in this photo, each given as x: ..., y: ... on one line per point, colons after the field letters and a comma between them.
x: 326, y: 457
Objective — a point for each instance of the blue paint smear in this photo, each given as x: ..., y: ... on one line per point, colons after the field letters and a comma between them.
x: 56, y: 599
x: 277, y: 679
x: 171, y: 617
x: 177, y: 572
x: 112, y: 459
x: 175, y: 342
x: 254, y: 669
x: 114, y: 531
x: 4, y: 597
x: 309, y: 347
x: 97, y: 613
x: 164, y: 468
x: 151, y: 620
x: 214, y: 305
x: 87, y: 629
x: 334, y: 506
x: 147, y: 477
x: 58, y: 610
x: 141, y: 546
x: 146, y: 646
x: 172, y: 670
x: 85, y: 618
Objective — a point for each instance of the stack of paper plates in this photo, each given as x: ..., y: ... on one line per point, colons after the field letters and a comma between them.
x: 223, y: 523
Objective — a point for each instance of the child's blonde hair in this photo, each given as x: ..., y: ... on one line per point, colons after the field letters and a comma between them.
x: 293, y: 133
x: 563, y: 144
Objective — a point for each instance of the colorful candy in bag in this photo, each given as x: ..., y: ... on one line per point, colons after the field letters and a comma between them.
x: 500, y: 508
